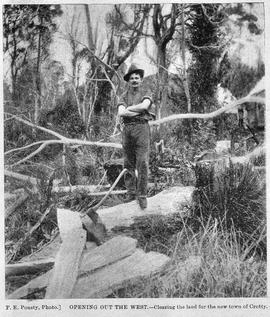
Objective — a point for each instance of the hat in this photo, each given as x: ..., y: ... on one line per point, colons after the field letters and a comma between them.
x: 133, y: 69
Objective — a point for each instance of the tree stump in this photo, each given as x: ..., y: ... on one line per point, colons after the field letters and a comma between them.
x: 208, y: 173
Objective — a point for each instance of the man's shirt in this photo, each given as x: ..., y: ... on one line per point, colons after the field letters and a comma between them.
x: 130, y: 97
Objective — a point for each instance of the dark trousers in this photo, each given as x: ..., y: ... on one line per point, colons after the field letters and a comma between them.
x: 136, y: 146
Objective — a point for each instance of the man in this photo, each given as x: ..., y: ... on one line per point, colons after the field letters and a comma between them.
x: 134, y: 108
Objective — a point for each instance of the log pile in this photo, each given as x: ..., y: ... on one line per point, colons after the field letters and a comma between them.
x: 81, y: 269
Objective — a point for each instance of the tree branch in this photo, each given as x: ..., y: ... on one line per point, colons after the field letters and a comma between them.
x: 170, y: 31
x: 62, y: 140
x: 36, y: 126
x: 68, y: 141
x: 210, y: 19
x: 210, y: 115
x: 137, y: 38
x: 30, y: 155
x: 24, y: 147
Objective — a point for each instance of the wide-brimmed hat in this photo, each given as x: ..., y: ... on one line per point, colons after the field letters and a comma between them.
x: 133, y: 69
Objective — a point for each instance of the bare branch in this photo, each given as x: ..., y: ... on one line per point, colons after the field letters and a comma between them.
x: 109, y: 80
x: 137, y: 38
x: 210, y: 115
x: 24, y: 147
x: 68, y: 141
x: 36, y: 126
x: 30, y: 155
x: 170, y: 31
x: 99, y: 59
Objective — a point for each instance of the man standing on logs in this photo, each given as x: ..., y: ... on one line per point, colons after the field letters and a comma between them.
x: 134, y: 109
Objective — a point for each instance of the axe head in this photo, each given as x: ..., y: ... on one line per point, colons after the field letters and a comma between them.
x: 96, y: 230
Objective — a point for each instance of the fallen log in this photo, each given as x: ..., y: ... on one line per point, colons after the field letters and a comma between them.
x: 104, y: 281
x: 113, y: 250
x: 33, y: 181
x: 15, y: 193
x: 29, y: 267
x: 89, y: 189
x: 21, y: 177
x: 49, y: 250
x: 96, y: 257
x: 167, y: 202
x: 67, y: 221
x: 92, y: 190
x: 103, y: 193
x: 37, y: 284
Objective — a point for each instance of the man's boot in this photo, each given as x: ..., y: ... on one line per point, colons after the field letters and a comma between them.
x: 142, y: 202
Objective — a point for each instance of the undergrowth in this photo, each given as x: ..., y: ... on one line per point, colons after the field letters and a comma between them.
x: 236, y: 198
x: 216, y: 249
x: 210, y: 262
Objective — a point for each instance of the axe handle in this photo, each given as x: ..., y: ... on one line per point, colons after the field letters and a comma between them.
x: 108, y: 193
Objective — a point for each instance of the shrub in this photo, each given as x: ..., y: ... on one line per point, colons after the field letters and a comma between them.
x: 236, y: 198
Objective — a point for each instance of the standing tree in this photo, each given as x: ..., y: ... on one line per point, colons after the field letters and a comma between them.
x: 206, y: 48
x: 17, y: 27
x: 164, y: 27
x: 28, y: 32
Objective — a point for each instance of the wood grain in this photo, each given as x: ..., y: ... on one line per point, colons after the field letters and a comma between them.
x: 104, y: 281
x: 66, y: 265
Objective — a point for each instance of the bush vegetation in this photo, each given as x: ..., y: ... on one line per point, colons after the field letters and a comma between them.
x: 207, y: 263
x: 217, y: 247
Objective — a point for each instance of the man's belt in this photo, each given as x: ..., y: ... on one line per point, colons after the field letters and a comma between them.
x: 127, y: 120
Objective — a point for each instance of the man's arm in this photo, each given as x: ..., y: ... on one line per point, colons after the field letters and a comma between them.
x: 124, y: 112
x: 140, y: 107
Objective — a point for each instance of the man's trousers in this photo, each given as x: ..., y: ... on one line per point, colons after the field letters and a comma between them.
x: 136, y: 146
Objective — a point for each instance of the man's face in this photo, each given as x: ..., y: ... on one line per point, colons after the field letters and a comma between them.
x: 135, y: 80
